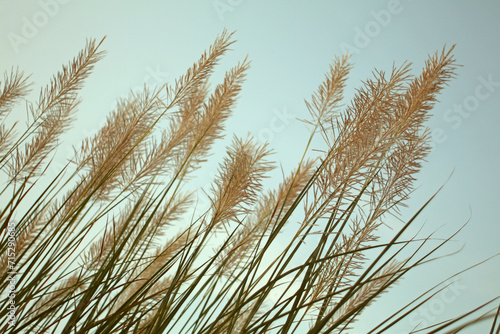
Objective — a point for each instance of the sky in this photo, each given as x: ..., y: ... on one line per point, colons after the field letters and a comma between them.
x: 291, y: 44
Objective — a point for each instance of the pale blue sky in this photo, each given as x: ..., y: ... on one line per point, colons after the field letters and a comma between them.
x: 291, y: 44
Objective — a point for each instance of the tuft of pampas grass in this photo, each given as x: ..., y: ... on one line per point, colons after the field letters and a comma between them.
x: 114, y: 243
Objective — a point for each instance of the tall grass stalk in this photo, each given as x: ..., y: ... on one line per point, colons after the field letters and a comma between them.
x: 111, y: 244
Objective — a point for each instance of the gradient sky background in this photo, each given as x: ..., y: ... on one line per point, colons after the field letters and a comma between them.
x: 291, y: 44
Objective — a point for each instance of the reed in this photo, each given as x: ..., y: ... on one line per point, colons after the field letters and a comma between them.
x: 112, y: 243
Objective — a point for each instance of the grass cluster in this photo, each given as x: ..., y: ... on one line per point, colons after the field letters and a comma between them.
x: 112, y: 244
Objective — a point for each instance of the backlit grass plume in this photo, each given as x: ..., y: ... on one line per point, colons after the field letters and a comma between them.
x: 117, y: 242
